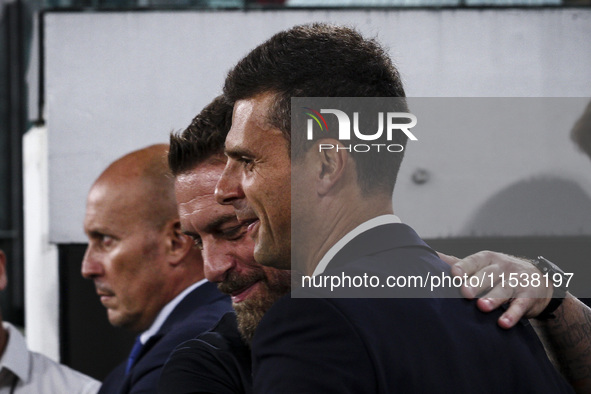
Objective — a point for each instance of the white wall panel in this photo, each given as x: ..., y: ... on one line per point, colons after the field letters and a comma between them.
x: 120, y: 81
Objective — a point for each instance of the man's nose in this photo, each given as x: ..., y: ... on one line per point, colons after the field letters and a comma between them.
x: 228, y: 189
x: 91, y: 266
x: 216, y: 263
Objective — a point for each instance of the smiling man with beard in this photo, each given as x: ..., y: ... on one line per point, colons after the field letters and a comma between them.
x: 217, y: 361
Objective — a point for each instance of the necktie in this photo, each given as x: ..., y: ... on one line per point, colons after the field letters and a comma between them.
x: 135, y: 351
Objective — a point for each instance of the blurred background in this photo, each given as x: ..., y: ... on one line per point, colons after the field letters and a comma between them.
x: 83, y: 82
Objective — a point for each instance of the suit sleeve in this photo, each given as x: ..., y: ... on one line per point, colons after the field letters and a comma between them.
x: 197, y: 368
x: 309, y: 346
x: 147, y: 383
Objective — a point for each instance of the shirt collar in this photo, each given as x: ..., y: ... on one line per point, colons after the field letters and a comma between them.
x: 166, y: 311
x: 363, y: 227
x: 16, y: 354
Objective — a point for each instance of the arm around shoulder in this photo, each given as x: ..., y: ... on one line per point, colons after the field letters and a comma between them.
x: 567, y: 339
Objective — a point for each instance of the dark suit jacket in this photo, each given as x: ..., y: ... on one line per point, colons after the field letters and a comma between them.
x: 217, y: 361
x: 196, y: 313
x: 394, y: 345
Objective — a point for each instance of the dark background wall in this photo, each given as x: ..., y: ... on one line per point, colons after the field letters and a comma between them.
x: 15, y: 39
x: 88, y: 342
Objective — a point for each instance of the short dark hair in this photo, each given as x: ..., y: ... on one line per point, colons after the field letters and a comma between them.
x: 203, y: 139
x: 321, y: 60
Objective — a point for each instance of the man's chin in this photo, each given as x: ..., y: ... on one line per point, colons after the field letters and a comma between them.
x: 122, y: 321
x: 248, y: 315
x: 115, y: 319
x: 250, y: 312
x: 267, y: 257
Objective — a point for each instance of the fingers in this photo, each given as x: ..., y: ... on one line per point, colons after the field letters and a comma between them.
x: 490, y: 304
x: 498, y: 278
x: 518, y: 308
x: 450, y: 260
x: 476, y: 262
x: 495, y: 298
x: 478, y: 283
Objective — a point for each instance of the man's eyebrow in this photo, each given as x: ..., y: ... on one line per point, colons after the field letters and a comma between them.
x: 211, y: 227
x: 190, y: 234
x: 237, y: 152
x: 215, y: 225
x: 95, y: 232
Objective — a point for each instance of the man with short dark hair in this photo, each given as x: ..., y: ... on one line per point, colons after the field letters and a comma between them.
x: 148, y: 275
x: 344, y: 224
x: 217, y: 361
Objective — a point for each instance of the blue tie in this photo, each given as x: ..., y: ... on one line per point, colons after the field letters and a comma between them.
x: 135, y: 351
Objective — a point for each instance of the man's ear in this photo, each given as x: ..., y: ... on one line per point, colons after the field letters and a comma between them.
x: 3, y: 279
x: 331, y: 164
x: 178, y: 244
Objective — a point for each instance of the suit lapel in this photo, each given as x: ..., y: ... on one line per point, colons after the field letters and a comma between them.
x: 205, y: 294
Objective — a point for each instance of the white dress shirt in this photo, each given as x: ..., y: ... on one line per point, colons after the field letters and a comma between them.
x: 166, y: 311
x: 26, y: 372
x: 363, y: 227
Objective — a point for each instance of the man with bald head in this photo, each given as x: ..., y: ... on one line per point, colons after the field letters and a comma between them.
x: 147, y: 273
